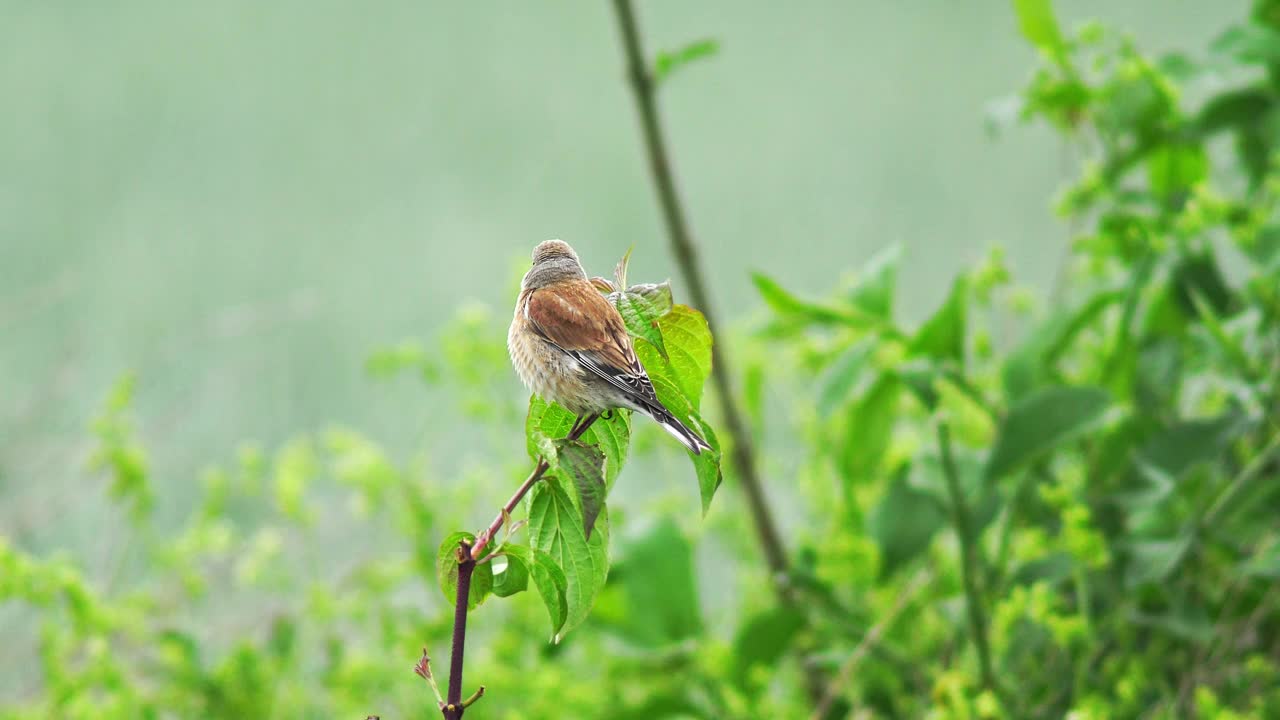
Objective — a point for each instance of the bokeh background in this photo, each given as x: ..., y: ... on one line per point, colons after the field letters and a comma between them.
x: 238, y: 200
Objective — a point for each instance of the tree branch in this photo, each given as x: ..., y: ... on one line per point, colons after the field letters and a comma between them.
x: 868, y: 643
x: 486, y: 536
x: 686, y: 255
x: 454, y: 706
x: 683, y: 247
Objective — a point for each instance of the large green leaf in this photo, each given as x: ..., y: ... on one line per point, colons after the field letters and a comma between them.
x: 868, y: 430
x: 547, y: 423
x: 688, y: 345
x: 942, y: 336
x: 556, y: 528
x: 1042, y: 421
x: 584, y: 466
x: 547, y: 577
x: 707, y: 463
x: 447, y: 571
x: 678, y: 380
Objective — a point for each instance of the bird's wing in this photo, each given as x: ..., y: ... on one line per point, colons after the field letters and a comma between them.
x: 575, y: 318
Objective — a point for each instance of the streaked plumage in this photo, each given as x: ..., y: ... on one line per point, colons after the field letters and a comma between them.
x: 570, y: 346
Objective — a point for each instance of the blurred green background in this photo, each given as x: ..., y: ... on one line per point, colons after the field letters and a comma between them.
x: 239, y: 200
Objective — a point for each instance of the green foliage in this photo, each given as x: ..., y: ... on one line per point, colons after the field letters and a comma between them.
x: 1104, y: 487
x: 447, y: 560
x: 120, y: 454
x: 1025, y: 505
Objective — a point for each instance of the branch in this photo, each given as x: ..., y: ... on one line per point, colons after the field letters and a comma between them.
x: 686, y: 256
x: 968, y: 559
x: 685, y: 250
x: 486, y: 536
x: 867, y: 643
x: 454, y: 706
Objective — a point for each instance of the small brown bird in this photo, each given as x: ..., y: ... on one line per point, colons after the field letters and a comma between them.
x: 570, y: 346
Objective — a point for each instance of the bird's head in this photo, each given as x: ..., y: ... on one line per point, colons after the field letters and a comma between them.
x: 553, y: 261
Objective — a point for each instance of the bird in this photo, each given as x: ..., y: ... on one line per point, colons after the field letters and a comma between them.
x: 570, y: 346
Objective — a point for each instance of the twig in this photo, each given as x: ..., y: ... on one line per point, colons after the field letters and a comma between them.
x: 868, y: 643
x: 487, y: 535
x: 453, y: 707
x: 969, y: 559
x: 685, y: 251
x: 468, y: 553
x: 1241, y: 482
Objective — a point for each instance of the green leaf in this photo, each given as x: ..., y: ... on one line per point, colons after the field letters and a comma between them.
x: 942, y: 336
x: 1233, y: 109
x: 1174, y: 169
x: 903, y: 523
x: 786, y: 304
x: 447, y: 571
x: 761, y: 641
x: 869, y: 429
x: 838, y: 379
x: 669, y: 61
x: 1030, y: 365
x: 584, y: 465
x: 640, y: 317
x: 547, y: 577
x: 656, y: 294
x: 706, y: 464
x: 555, y: 527
x: 1249, y: 44
x: 547, y: 423
x: 873, y: 293
x: 1198, y: 274
x: 1042, y: 421
x: 688, y: 341
x: 1151, y: 561
x: 1039, y: 26
x: 1188, y: 443
x: 660, y: 588
x: 514, y: 579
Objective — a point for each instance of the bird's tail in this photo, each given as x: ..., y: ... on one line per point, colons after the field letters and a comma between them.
x: 678, y: 430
